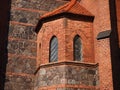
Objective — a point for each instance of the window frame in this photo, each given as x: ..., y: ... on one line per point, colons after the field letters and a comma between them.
x: 50, y: 47
x: 77, y: 37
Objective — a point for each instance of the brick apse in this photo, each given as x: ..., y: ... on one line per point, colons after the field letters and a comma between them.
x: 82, y: 36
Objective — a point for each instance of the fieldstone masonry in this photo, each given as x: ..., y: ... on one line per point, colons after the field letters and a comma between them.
x: 25, y: 16
x: 26, y: 65
x: 22, y: 46
x: 46, y: 5
x: 21, y: 52
x: 67, y: 73
x: 19, y: 83
x: 22, y: 32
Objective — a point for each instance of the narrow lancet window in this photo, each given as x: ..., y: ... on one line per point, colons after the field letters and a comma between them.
x: 77, y: 48
x: 53, y: 53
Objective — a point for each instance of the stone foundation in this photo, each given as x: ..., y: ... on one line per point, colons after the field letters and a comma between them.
x: 67, y: 76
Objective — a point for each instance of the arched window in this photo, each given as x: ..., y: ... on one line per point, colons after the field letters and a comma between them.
x: 53, y: 51
x: 77, y: 48
x: 40, y: 51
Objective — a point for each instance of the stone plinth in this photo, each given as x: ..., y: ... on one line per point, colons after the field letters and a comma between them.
x: 67, y: 76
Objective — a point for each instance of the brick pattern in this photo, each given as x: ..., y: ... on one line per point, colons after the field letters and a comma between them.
x: 118, y: 18
x: 22, y: 32
x: 24, y: 16
x: 73, y: 89
x: 22, y: 46
x: 65, y: 39
x: 26, y: 65
x: 48, y: 30
x: 101, y: 22
x: 71, y: 7
x: 85, y: 31
x: 105, y: 66
x: 15, y: 82
x: 105, y: 48
x: 46, y: 5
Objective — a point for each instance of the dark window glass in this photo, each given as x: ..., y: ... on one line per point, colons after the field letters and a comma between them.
x: 53, y: 49
x: 77, y: 48
x: 40, y: 51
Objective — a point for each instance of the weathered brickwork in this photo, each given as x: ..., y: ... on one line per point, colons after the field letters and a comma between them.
x: 72, y: 89
x: 22, y: 32
x: 25, y: 16
x: 118, y: 18
x: 22, y: 47
x: 65, y: 39
x: 47, y: 32
x: 85, y: 31
x: 21, y: 65
x: 50, y: 75
x: 24, y: 50
x: 101, y: 22
x: 46, y: 5
x: 14, y: 82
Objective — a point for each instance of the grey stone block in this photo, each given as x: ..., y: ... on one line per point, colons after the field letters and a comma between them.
x: 22, y: 47
x: 19, y: 83
x: 25, y: 16
x: 47, y: 5
x: 22, y: 32
x: 17, y: 64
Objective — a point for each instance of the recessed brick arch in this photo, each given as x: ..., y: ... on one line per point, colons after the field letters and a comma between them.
x: 86, y: 40
x: 47, y: 34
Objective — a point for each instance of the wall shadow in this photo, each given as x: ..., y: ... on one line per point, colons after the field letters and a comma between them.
x: 5, y: 7
x: 115, y: 50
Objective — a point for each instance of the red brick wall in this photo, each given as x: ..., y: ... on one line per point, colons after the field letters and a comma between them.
x: 100, y: 8
x: 85, y: 31
x: 101, y: 48
x: 65, y: 37
x: 49, y: 29
x: 118, y: 18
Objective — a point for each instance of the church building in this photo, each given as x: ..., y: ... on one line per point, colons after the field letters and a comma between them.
x: 60, y: 45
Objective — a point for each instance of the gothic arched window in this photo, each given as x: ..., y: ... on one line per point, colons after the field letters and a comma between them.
x: 53, y: 51
x: 77, y: 48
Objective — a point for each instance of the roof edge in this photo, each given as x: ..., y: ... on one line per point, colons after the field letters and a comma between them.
x: 58, y: 16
